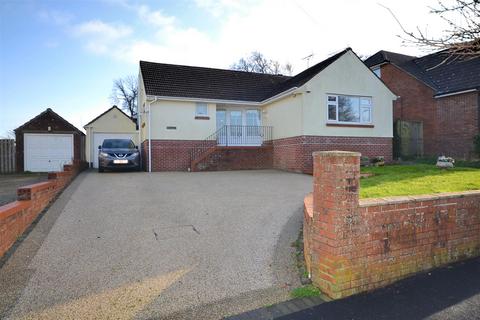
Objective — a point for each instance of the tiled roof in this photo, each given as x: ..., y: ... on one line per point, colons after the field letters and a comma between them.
x: 51, y: 113
x: 443, y: 73
x: 383, y: 56
x: 207, y: 83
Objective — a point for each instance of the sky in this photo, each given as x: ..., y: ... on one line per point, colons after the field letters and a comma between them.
x: 66, y: 54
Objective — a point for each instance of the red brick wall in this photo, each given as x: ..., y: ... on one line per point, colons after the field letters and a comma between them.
x: 16, y: 217
x: 238, y: 158
x: 174, y: 155
x: 416, y: 103
x: 458, y: 122
x: 169, y: 155
x: 449, y: 123
x: 295, y: 154
x: 354, y: 246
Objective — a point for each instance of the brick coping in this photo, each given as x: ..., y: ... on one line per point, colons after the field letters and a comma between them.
x: 370, y: 202
x: 367, y: 202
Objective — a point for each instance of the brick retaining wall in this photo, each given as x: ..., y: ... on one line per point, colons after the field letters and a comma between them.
x: 290, y: 154
x: 354, y: 245
x: 16, y: 217
x: 295, y: 154
x: 238, y: 158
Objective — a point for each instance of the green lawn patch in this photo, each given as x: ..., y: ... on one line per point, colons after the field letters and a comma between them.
x: 402, y: 180
x: 305, y: 291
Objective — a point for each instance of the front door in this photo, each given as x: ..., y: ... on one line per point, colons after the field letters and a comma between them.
x: 235, y: 132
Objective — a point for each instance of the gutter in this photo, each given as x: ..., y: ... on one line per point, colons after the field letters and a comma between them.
x: 454, y: 93
x: 253, y: 103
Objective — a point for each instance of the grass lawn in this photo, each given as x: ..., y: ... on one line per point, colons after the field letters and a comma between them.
x: 401, y: 180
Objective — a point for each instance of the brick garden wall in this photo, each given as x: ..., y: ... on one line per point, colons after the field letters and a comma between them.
x: 16, y: 217
x: 354, y: 245
x: 295, y: 154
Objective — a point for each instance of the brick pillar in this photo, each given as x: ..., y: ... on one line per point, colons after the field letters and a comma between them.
x: 336, y: 178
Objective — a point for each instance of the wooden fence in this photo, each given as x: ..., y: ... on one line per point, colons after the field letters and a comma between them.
x: 7, y: 155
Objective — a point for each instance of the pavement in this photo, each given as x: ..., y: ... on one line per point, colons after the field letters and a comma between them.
x: 10, y: 182
x: 451, y: 292
x: 133, y: 245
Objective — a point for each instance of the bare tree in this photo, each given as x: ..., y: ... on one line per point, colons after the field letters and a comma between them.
x: 257, y: 62
x: 125, y: 93
x: 461, y: 38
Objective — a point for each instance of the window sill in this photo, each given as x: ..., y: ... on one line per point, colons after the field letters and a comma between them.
x: 353, y: 125
x: 202, y: 118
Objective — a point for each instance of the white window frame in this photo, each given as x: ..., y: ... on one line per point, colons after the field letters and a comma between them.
x: 336, y: 121
x: 377, y: 71
x: 201, y: 104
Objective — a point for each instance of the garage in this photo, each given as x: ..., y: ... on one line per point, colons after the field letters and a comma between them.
x: 111, y: 124
x: 47, y: 142
x: 47, y: 152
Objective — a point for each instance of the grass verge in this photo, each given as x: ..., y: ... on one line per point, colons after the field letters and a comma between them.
x: 402, y: 180
x: 305, y: 291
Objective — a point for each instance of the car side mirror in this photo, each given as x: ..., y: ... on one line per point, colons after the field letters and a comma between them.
x: 99, y: 147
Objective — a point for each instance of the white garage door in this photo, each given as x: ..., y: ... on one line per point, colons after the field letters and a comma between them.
x: 98, y: 140
x: 47, y: 152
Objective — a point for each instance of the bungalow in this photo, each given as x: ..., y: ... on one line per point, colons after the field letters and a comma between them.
x: 438, y: 97
x: 193, y: 118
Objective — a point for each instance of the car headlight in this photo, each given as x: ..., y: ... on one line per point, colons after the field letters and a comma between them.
x: 103, y: 154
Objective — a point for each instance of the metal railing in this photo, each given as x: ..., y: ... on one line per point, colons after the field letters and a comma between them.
x: 233, y: 135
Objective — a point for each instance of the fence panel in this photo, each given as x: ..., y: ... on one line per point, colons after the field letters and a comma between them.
x: 7, y: 155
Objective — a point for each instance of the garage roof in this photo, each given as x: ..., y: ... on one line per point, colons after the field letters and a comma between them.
x: 104, y: 113
x: 171, y: 80
x: 33, y: 124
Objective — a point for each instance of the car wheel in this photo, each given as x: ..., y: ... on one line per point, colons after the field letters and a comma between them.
x: 100, y: 169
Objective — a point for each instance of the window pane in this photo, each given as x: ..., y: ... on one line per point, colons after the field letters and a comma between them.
x: 365, y: 101
x: 202, y: 109
x: 332, y: 112
x: 348, y: 109
x: 253, y: 118
x: 366, y: 114
x: 332, y: 98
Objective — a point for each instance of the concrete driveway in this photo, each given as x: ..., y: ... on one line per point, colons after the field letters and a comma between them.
x: 164, y: 246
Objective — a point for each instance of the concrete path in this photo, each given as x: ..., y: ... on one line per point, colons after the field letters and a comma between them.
x: 166, y: 246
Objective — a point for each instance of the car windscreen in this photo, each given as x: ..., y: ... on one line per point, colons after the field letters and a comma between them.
x: 118, y: 144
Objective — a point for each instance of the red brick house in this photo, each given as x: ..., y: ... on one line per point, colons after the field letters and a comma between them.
x: 439, y: 91
x: 196, y: 118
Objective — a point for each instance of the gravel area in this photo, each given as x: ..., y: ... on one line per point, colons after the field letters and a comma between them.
x: 10, y: 182
x: 167, y: 246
